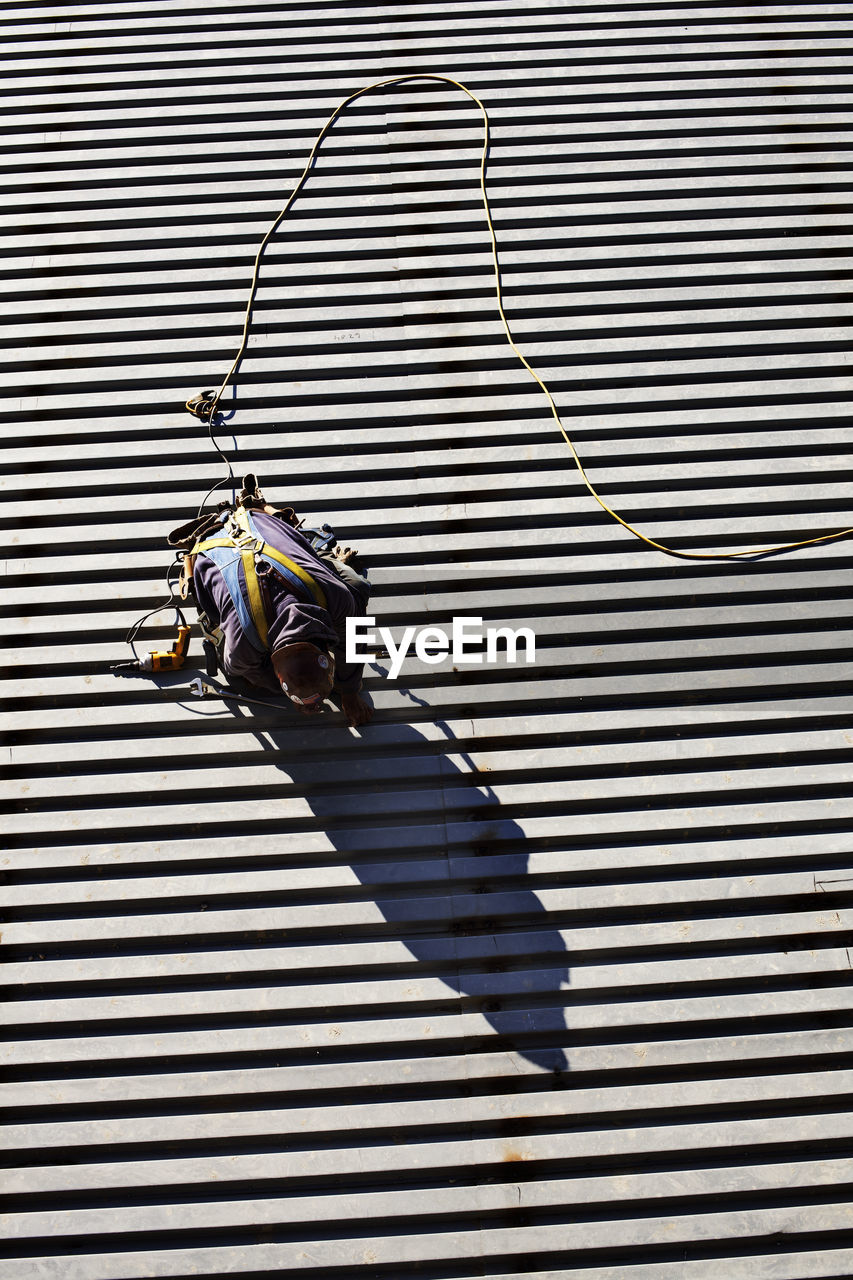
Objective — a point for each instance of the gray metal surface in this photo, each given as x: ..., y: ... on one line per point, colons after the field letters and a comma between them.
x: 546, y: 972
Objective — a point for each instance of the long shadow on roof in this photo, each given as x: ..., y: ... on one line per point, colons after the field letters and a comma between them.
x: 447, y: 873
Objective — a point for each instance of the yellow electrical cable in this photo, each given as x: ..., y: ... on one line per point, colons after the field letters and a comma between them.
x: 384, y: 84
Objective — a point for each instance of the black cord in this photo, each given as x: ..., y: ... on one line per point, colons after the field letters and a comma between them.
x: 229, y: 479
x: 179, y: 615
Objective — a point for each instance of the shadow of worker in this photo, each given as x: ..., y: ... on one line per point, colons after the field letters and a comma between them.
x: 428, y: 841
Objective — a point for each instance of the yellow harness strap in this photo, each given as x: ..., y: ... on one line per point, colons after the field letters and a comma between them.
x: 249, y: 546
x: 264, y: 549
x: 270, y: 553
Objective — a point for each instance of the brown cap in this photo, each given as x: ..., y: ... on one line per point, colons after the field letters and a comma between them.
x: 304, y: 670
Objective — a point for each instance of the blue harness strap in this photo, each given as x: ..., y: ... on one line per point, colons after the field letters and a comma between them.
x: 229, y: 560
x: 234, y: 549
x: 297, y: 578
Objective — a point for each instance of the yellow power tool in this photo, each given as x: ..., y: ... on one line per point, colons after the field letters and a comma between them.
x: 158, y: 660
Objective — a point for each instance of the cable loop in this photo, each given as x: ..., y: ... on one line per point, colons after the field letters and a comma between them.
x: 384, y: 84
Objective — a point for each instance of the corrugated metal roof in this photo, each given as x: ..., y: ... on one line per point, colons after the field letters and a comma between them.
x: 545, y: 973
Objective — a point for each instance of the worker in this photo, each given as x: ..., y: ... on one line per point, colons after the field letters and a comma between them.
x: 304, y: 594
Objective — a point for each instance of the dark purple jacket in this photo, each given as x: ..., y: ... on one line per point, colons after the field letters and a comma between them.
x: 290, y: 617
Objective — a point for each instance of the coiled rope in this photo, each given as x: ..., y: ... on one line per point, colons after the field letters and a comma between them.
x: 384, y: 84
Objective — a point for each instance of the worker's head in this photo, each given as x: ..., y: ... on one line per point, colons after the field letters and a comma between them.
x: 306, y: 674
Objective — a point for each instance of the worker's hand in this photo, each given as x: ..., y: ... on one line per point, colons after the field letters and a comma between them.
x: 356, y: 710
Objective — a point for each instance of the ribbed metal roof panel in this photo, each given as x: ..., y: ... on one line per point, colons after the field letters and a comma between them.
x: 546, y: 972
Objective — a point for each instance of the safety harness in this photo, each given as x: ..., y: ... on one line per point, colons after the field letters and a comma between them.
x: 240, y: 545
